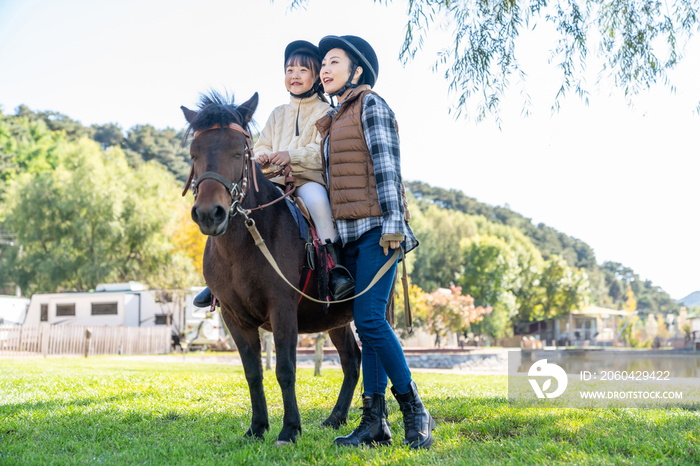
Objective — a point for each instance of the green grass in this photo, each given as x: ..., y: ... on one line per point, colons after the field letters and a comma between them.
x: 107, y: 411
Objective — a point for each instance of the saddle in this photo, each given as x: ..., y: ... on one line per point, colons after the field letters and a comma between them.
x: 316, y: 258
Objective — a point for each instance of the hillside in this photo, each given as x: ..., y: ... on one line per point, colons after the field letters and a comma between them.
x: 693, y: 299
x: 609, y: 281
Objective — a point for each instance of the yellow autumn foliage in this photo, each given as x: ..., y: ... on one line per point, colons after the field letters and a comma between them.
x: 187, y: 238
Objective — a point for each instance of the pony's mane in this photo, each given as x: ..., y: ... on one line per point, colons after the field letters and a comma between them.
x: 215, y: 108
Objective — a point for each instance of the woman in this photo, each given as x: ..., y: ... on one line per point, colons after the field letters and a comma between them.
x: 363, y: 177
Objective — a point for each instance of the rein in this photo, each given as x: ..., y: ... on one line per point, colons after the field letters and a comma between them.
x: 260, y: 243
x: 238, y: 192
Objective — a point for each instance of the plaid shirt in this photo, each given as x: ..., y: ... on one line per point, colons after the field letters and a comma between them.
x: 378, y: 125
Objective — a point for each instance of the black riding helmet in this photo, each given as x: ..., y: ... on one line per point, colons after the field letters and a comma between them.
x: 358, y: 48
x: 302, y: 46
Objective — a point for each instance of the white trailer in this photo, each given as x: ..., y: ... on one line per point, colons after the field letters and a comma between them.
x: 129, y: 305
x: 201, y: 328
x: 13, y: 310
x: 113, y: 305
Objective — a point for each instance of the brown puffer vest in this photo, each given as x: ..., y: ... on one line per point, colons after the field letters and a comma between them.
x: 352, y: 189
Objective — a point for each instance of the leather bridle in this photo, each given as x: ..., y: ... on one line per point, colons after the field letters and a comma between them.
x: 239, y: 189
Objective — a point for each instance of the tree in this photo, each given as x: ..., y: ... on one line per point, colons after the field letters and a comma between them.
x: 108, y: 135
x: 489, y: 274
x: 437, y: 262
x: 564, y: 289
x: 649, y: 298
x: 637, y: 42
x: 187, y: 238
x: 419, y: 308
x: 626, y: 328
x: 490, y: 268
x: 662, y: 329
x: 449, y: 310
x: 545, y: 239
x: 27, y: 145
x: 160, y: 145
x: 91, y: 220
x: 631, y: 303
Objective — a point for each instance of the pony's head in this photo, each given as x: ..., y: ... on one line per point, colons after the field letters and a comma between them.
x: 217, y: 149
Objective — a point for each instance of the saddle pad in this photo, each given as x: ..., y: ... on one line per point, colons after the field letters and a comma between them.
x: 301, y: 216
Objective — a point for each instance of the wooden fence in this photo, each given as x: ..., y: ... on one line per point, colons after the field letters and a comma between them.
x: 46, y: 340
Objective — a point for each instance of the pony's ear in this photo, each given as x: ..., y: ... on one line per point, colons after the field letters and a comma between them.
x: 248, y: 108
x: 189, y: 114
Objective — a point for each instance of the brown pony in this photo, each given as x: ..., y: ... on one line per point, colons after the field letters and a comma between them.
x: 251, y: 294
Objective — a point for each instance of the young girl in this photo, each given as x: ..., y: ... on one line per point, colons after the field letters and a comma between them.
x: 290, y: 138
x: 363, y: 172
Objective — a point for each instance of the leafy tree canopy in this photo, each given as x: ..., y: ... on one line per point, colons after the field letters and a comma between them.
x: 27, y: 137
x: 93, y: 219
x: 440, y: 218
x: 636, y: 42
x: 546, y: 239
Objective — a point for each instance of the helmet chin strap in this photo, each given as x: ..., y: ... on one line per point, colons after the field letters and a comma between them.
x: 314, y: 89
x: 348, y: 85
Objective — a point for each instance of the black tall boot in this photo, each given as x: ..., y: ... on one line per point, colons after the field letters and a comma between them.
x: 373, y: 429
x: 342, y: 284
x: 418, y: 424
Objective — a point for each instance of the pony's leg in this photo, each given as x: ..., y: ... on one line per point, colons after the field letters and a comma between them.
x: 350, y: 360
x: 285, y: 331
x: 248, y: 343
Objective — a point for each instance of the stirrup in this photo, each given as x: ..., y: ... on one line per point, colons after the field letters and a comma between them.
x: 341, y: 282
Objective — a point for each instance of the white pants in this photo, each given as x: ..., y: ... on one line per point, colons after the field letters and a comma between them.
x: 316, y: 199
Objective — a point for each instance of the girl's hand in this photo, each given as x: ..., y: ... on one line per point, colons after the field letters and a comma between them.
x: 262, y: 159
x: 280, y: 158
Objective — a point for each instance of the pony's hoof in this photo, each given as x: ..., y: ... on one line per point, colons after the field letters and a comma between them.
x: 283, y: 443
x: 254, y: 435
x: 334, y: 421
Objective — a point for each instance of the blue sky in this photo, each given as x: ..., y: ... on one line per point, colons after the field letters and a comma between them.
x: 623, y: 179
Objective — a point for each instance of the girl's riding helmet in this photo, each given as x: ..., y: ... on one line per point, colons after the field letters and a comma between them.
x: 302, y: 46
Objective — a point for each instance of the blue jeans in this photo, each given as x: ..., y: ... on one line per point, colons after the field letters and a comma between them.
x: 382, y: 354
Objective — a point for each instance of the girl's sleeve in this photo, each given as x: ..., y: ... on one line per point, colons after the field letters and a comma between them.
x: 309, y: 156
x: 264, y: 144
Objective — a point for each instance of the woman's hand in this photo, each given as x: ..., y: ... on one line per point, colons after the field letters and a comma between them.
x: 392, y: 245
x: 280, y: 158
x: 391, y: 241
